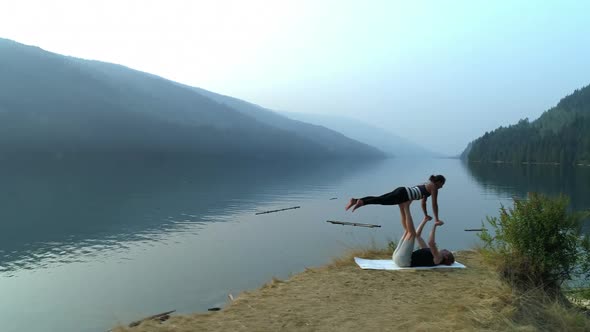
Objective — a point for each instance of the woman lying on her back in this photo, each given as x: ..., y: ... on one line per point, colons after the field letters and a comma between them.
x: 428, y: 255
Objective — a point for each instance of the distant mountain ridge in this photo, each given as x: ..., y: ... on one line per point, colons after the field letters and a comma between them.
x: 57, y: 105
x: 327, y: 137
x: 382, y: 139
x: 560, y: 135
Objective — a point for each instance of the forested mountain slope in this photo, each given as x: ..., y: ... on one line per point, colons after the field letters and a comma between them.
x: 560, y: 135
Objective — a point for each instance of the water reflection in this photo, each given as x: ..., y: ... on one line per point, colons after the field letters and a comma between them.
x: 60, y: 212
x: 160, y: 236
x: 517, y: 180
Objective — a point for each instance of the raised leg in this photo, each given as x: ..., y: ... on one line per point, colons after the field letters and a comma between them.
x: 405, y: 233
x: 403, y: 254
x: 409, y: 222
x: 399, y: 244
x: 419, y: 238
x: 403, y: 217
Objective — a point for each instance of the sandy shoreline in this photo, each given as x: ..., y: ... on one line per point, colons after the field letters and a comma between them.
x: 342, y: 297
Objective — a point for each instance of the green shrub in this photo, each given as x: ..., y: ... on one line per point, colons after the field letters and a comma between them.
x: 538, y: 242
x: 391, y: 245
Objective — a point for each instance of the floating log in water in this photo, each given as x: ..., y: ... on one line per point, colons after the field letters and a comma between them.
x: 271, y: 211
x: 475, y: 230
x: 352, y: 223
x: 161, y: 317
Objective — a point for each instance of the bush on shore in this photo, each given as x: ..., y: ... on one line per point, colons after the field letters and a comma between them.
x: 538, y: 243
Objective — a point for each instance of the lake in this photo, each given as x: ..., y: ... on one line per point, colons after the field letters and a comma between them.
x: 86, y: 246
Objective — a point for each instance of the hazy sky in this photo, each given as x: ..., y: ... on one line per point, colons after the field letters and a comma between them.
x: 440, y: 73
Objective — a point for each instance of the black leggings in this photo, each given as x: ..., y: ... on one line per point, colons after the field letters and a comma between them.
x: 397, y: 196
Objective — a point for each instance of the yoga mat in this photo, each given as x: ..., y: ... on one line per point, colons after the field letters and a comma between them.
x: 388, y: 264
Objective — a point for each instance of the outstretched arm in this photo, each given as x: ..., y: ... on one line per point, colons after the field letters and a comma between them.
x: 424, y: 199
x: 432, y: 243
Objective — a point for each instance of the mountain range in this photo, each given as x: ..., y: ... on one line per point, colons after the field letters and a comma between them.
x: 382, y: 139
x: 60, y: 106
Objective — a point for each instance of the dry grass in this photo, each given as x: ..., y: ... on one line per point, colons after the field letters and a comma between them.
x: 342, y: 297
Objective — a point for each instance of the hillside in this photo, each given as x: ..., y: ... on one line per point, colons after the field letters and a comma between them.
x: 560, y: 135
x: 324, y: 136
x: 382, y: 139
x: 53, y: 105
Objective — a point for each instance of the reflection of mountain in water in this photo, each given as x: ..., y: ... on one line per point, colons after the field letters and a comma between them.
x: 65, y: 208
x: 517, y: 180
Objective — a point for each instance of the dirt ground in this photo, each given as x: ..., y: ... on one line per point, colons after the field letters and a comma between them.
x: 342, y: 297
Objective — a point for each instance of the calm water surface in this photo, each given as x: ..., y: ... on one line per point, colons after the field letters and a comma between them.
x: 87, y: 246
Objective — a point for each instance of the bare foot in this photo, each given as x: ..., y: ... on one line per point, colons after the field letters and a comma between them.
x: 350, y: 203
x: 358, y: 204
x: 439, y: 223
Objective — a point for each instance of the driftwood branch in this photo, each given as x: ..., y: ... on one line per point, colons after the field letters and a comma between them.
x: 161, y: 317
x: 271, y: 211
x: 352, y: 223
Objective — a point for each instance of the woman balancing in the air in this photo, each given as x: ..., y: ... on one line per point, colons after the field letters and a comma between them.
x: 403, y: 197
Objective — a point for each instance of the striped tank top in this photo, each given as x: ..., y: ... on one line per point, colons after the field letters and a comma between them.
x: 417, y: 192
